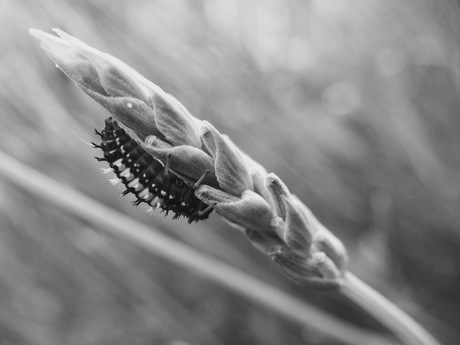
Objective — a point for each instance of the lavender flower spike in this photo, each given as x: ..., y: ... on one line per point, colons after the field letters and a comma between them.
x: 218, y: 173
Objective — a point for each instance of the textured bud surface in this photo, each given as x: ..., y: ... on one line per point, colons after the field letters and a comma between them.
x: 250, y: 210
x: 176, y: 125
x: 198, y: 167
x: 231, y: 170
x: 313, y: 271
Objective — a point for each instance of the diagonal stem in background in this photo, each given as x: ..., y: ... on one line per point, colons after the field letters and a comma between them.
x: 219, y: 272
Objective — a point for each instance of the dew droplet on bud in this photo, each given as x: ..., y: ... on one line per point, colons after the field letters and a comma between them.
x: 150, y: 140
x: 129, y: 105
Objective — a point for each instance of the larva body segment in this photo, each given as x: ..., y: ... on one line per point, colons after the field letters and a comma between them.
x: 146, y: 177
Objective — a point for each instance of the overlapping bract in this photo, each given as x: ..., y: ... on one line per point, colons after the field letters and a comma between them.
x: 240, y: 189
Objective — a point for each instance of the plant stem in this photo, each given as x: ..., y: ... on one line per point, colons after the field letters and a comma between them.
x: 398, y: 322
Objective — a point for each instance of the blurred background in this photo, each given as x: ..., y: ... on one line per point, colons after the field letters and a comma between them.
x: 354, y: 104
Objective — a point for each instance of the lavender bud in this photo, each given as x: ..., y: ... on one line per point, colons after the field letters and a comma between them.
x: 174, y: 124
x: 211, y: 165
x: 277, y: 190
x: 113, y: 84
x: 313, y: 271
x: 250, y: 210
x: 188, y: 161
x: 231, y: 171
x: 296, y: 232
x: 291, y: 226
x: 326, y: 242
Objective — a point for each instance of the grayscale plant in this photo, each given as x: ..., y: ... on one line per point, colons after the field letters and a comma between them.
x: 240, y: 189
x: 223, y: 177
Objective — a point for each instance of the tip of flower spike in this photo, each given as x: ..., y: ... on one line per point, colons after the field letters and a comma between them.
x: 64, y: 35
x: 36, y: 33
x: 33, y: 31
x: 67, y: 53
x: 47, y: 40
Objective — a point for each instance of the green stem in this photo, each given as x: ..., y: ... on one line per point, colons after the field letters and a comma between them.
x: 398, y: 322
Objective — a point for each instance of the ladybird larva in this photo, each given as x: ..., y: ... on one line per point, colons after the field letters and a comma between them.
x: 150, y: 180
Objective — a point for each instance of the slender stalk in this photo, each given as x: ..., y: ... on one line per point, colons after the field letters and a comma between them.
x: 241, y: 283
x: 398, y: 322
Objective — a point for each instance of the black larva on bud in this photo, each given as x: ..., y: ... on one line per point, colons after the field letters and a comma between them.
x: 151, y: 181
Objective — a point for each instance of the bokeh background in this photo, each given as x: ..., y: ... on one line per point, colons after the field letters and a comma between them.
x: 354, y: 104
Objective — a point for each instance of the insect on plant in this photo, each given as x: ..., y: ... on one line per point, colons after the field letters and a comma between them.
x: 181, y: 164
x: 147, y: 178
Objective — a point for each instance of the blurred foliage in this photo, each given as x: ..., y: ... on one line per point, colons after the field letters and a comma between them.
x: 353, y: 103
